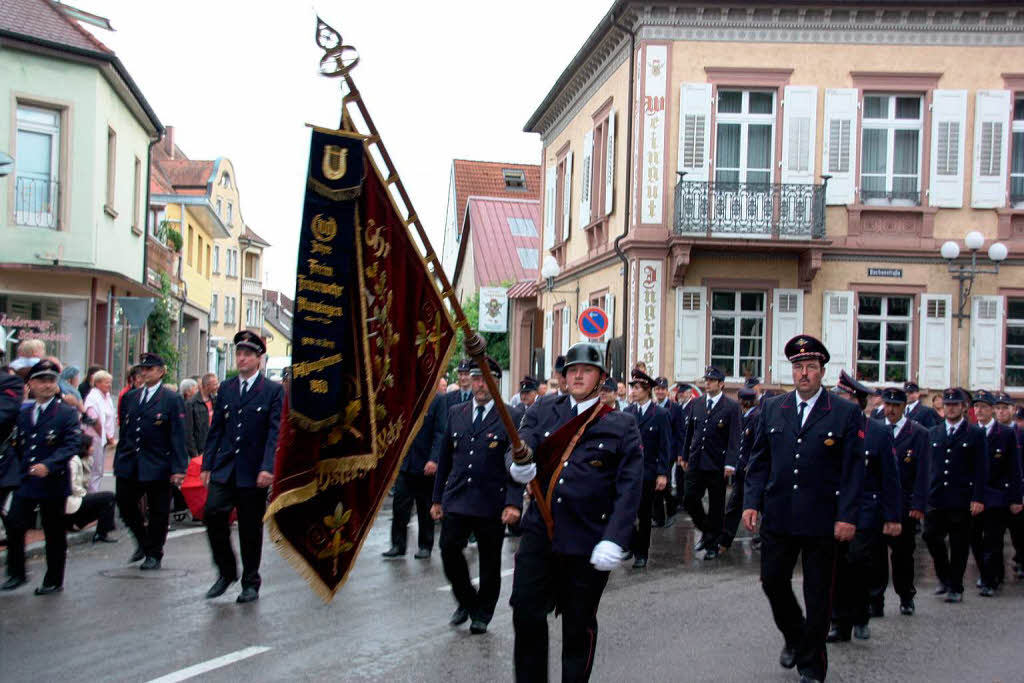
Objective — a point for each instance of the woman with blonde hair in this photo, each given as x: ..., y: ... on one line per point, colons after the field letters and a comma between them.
x: 99, y: 423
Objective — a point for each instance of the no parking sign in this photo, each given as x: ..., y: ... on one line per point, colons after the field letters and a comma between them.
x: 593, y: 322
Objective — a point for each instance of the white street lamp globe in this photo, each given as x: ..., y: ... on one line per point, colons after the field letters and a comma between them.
x: 974, y: 240
x: 998, y: 252
x: 950, y: 250
x: 550, y: 268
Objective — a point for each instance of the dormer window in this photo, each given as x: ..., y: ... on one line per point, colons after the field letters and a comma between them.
x: 515, y: 179
x: 225, y: 181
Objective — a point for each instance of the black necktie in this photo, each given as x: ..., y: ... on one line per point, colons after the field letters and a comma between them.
x: 575, y: 410
x: 893, y: 429
x: 479, y: 417
x: 245, y: 385
x: 711, y: 405
x: 465, y: 395
x: 39, y: 414
x: 145, y: 396
x: 800, y: 416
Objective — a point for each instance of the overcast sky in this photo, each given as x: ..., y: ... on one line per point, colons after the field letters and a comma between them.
x: 443, y: 80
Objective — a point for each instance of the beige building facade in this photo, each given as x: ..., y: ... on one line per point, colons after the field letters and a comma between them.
x: 721, y: 178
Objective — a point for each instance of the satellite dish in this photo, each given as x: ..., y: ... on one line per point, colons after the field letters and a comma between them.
x: 6, y: 164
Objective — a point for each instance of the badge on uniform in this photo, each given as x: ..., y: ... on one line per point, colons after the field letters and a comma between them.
x: 596, y: 463
x: 999, y: 453
x: 829, y: 441
x: 721, y: 423
x: 493, y: 444
x: 907, y: 459
x: 159, y: 420
x: 51, y: 438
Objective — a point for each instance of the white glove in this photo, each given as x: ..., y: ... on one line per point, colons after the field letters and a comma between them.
x: 606, y: 556
x: 523, y: 474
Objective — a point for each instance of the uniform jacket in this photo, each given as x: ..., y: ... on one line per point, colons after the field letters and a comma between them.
x: 1003, y: 486
x: 881, y: 500
x: 878, y: 413
x: 656, y: 435
x: 924, y: 415
x: 715, y: 437
x: 598, y: 494
x: 151, y: 446
x: 677, y: 424
x: 749, y: 429
x: 243, y: 434
x: 11, y: 395
x: 197, y: 424
x: 427, y: 445
x: 471, y: 475
x: 804, y: 479
x: 957, y: 468
x: 454, y: 398
x: 51, y: 441
x: 687, y: 411
x: 517, y: 412
x: 911, y: 448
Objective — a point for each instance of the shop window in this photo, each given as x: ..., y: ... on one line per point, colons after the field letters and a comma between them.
x: 891, y: 149
x: 1017, y: 156
x: 744, y: 137
x: 37, y: 167
x: 1015, y: 343
x: 738, y: 332
x: 883, y: 337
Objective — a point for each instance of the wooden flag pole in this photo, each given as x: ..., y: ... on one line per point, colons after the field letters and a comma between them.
x: 337, y: 62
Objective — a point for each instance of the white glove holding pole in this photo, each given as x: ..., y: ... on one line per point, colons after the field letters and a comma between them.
x: 523, y: 474
x: 607, y: 556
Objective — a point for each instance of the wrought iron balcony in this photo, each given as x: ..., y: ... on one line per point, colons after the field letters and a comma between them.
x: 750, y: 210
x: 36, y: 202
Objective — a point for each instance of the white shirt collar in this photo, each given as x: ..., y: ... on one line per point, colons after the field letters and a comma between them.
x: 582, y: 406
x: 810, y: 403
x: 714, y: 399
x: 487, y: 408
x: 44, y: 406
x: 899, y: 425
x: 911, y: 406
x: 149, y: 392
x: 749, y: 410
x: 952, y: 428
x: 642, y: 407
x: 988, y: 427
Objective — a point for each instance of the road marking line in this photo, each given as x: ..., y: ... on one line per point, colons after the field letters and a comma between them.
x: 178, y: 533
x: 210, y: 665
x: 476, y: 581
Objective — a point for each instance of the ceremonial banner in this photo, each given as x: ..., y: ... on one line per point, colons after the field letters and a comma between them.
x: 371, y: 338
x: 493, y: 309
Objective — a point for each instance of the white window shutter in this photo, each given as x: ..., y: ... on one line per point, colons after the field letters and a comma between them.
x: 587, y: 170
x: 936, y: 333
x: 949, y: 116
x: 549, y: 325
x: 839, y: 146
x: 694, y: 131
x: 691, y: 329
x: 567, y: 196
x: 567, y: 321
x: 609, y: 166
x: 991, y: 148
x: 787, y: 322
x: 986, y: 342
x: 550, y: 178
x: 609, y: 309
x: 799, y: 132
x: 837, y: 334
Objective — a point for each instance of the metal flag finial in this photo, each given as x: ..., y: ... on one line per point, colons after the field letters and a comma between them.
x: 338, y: 58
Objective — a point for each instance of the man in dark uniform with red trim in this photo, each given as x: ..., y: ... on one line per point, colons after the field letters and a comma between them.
x: 656, y: 434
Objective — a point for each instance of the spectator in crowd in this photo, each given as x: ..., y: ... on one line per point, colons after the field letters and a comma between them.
x: 99, y: 408
x: 542, y: 388
x: 188, y: 388
x: 442, y: 385
x: 937, y: 404
x: 86, y: 384
x: 623, y: 395
x: 29, y: 353
x: 199, y: 414
x: 68, y: 382
x: 83, y: 508
x: 132, y: 381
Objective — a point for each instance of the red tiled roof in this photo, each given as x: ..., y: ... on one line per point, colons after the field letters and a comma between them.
x: 523, y: 290
x: 273, y: 295
x: 43, y: 20
x: 495, y: 255
x: 250, y: 235
x: 186, y: 173
x: 484, y: 179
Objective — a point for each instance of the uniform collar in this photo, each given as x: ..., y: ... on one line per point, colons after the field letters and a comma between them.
x: 911, y: 406
x: 582, y: 406
x: 749, y: 411
x: 487, y: 408
x: 898, y: 425
x: 810, y: 402
x: 43, y: 406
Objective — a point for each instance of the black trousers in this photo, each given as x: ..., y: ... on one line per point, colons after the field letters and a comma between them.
x: 857, y: 562
x: 642, y: 534
x: 713, y: 483
x: 1016, y: 526
x: 543, y: 581
x: 152, y: 533
x: 733, y: 511
x: 673, y: 501
x: 987, y: 532
x: 950, y: 563
x: 20, y: 519
x: 901, y: 552
x: 490, y: 535
x: 409, y: 488
x: 251, y: 503
x: 806, y: 635
x: 96, y: 507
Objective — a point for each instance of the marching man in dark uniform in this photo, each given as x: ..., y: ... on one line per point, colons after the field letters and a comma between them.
x: 150, y: 455
x: 48, y: 434
x: 586, y: 480
x: 527, y: 397
x: 734, y: 508
x: 953, y: 492
x: 473, y: 494
x: 677, y: 424
x: 1005, y: 409
x: 12, y: 393
x: 805, y: 476
x: 715, y: 429
x: 656, y: 434
x: 464, y: 392
x: 917, y: 411
x: 238, y: 466
x: 910, y: 444
x: 859, y: 561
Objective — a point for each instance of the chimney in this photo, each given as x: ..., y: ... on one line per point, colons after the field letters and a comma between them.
x: 169, y: 141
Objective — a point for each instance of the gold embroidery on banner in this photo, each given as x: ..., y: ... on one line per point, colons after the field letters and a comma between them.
x: 307, y: 285
x: 309, y: 367
x: 430, y: 336
x: 324, y: 228
x: 334, y: 162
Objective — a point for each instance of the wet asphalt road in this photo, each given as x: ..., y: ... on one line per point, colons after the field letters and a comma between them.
x: 681, y: 619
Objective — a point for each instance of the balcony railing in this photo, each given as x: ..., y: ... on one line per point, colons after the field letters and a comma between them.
x: 750, y: 210
x: 36, y: 202
x: 895, y: 198
x: 252, y: 287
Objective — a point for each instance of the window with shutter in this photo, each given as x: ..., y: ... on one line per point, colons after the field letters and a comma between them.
x: 883, y: 338
x: 991, y: 148
x: 946, y: 157
x: 1017, y: 155
x: 839, y: 146
x: 693, y: 139
x: 1015, y: 343
x: 798, y: 149
x: 986, y: 351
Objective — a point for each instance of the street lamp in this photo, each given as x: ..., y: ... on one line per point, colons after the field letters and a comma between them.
x: 550, y: 271
x: 965, y: 273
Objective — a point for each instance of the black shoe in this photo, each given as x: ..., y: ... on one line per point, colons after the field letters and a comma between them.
x: 877, y: 610
x: 102, y: 538
x: 218, y: 587
x: 422, y: 554
x: 13, y: 582
x: 639, y: 562
x: 392, y: 553
x: 711, y: 554
x: 46, y: 590
x: 787, y: 658
x: 755, y: 543
x: 459, y: 617
x: 248, y: 594
x: 671, y: 520
x: 139, y: 554
x: 941, y: 590
x: 1018, y: 572
x: 862, y: 632
x: 907, y: 608
x: 837, y: 635
x: 987, y: 592
x: 478, y: 626
x: 979, y: 583
x: 627, y: 556
x: 954, y: 596
x: 701, y: 545
x: 150, y: 563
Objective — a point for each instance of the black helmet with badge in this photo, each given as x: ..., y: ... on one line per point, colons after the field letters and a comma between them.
x: 44, y: 368
x: 247, y: 339
x: 610, y: 385
x: 752, y: 382
x: 583, y: 353
x: 1004, y: 398
x: 953, y: 395
x: 852, y: 387
x: 746, y: 394
x: 661, y: 382
x: 474, y: 368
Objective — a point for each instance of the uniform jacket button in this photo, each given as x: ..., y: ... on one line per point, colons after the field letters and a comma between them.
x: 469, y: 480
x: 470, y: 465
x: 236, y: 450
x: 795, y: 487
x: 559, y: 500
x: 561, y: 481
x: 471, y: 452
